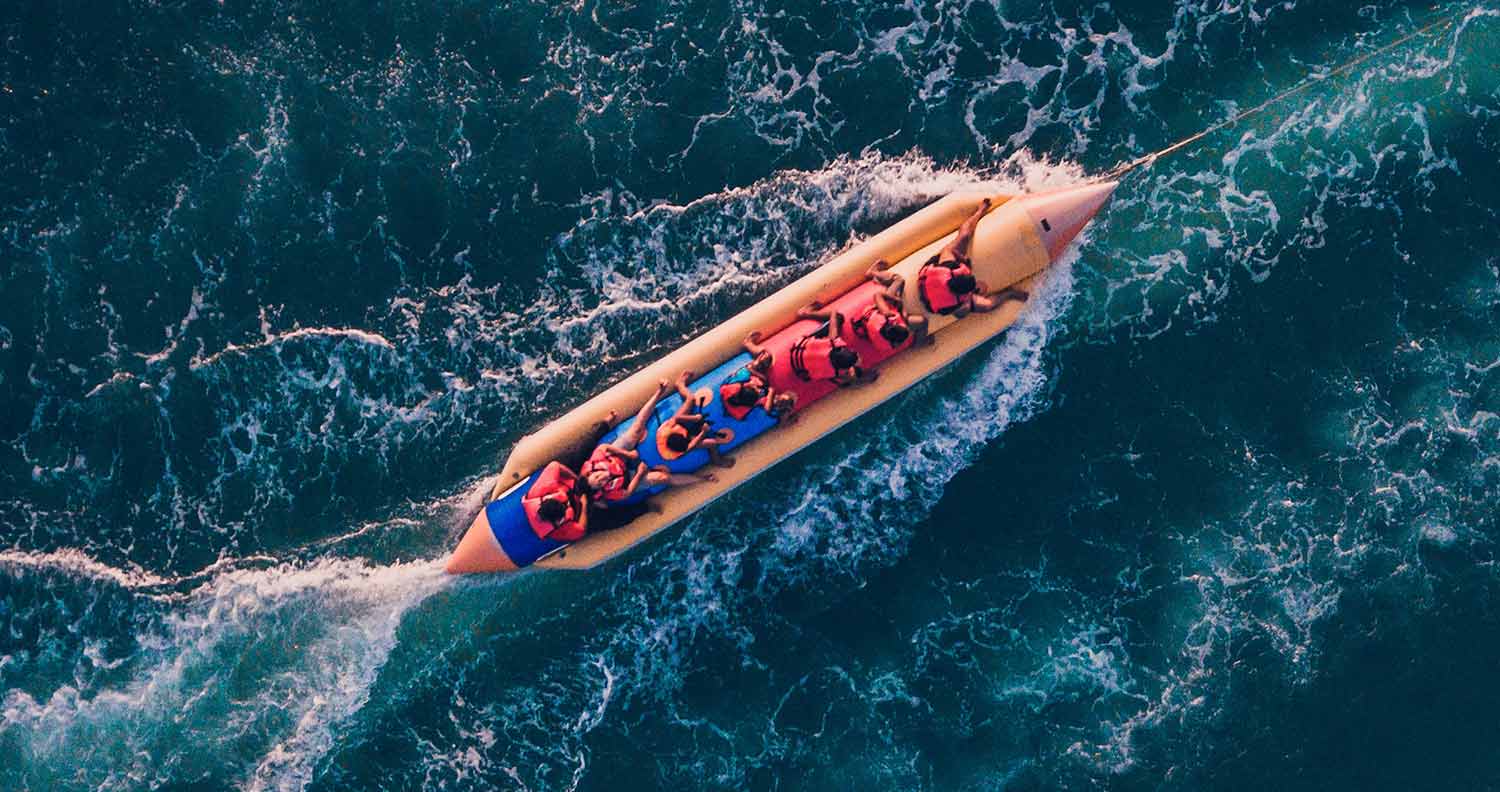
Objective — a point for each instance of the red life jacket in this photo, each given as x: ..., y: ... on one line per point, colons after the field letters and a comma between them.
x: 602, y: 459
x: 688, y: 426
x: 555, y: 481
x: 811, y: 358
x: 730, y: 389
x: 868, y: 323
x: 932, y: 287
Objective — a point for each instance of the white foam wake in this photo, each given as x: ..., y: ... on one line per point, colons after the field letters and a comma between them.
x: 242, y: 682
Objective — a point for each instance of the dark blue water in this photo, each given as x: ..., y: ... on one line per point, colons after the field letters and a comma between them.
x: 282, y: 282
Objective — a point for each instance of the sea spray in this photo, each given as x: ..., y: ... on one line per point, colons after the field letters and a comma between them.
x: 254, y: 669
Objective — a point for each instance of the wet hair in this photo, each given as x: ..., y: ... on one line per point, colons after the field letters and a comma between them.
x: 782, y: 402
x: 677, y: 442
x: 896, y: 334
x: 962, y: 284
x: 746, y: 396
x: 551, y: 510
x: 843, y: 357
x: 932, y: 262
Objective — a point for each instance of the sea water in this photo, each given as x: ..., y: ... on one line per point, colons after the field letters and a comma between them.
x: 281, y: 283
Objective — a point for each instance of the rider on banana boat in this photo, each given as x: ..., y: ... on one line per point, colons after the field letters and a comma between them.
x: 946, y: 282
x: 883, y: 323
x: 556, y: 506
x: 819, y: 355
x: 614, y: 472
x: 877, y: 326
x: 689, y: 430
x: 747, y: 389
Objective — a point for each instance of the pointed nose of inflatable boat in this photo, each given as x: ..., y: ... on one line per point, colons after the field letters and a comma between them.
x: 1061, y: 214
x: 479, y: 551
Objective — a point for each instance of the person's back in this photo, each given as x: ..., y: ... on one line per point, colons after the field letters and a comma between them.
x: 554, y: 507
x: 946, y: 288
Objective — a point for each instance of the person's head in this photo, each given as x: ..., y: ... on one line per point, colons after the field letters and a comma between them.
x: 962, y: 284
x: 746, y: 395
x: 598, y: 479
x: 843, y: 357
x: 677, y: 440
x: 783, y: 402
x: 895, y: 333
x: 552, y: 509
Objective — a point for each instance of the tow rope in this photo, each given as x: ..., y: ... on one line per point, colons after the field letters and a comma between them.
x: 1307, y: 82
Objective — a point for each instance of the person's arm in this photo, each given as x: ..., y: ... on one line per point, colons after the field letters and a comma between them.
x: 752, y: 344
x: 886, y: 305
x: 635, y: 481
x: 712, y: 440
x: 917, y: 323
x: 877, y: 271
x: 814, y: 310
x: 894, y: 284
x: 684, y: 409
x: 698, y: 439
x: 835, y: 324
x: 622, y: 453
x: 682, y: 387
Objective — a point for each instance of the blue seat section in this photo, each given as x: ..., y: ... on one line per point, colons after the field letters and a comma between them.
x: 513, y: 531
x: 757, y: 423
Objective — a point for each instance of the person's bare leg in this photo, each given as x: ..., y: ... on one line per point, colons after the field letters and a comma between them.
x: 1010, y: 293
x: 684, y: 479
x: 637, y: 431
x: 959, y: 247
x: 986, y: 303
x: 659, y: 476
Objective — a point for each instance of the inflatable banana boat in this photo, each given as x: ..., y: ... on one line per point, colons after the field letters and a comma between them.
x: 1015, y: 240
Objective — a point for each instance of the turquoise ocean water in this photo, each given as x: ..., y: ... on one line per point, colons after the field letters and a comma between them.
x: 282, y: 282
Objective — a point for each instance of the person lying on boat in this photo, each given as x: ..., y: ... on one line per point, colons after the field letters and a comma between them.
x: 881, y: 323
x: 688, y: 430
x: 614, y: 471
x: 556, y: 506
x: 747, y: 388
x: 946, y: 282
x: 819, y: 355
